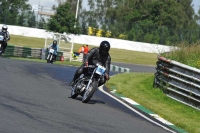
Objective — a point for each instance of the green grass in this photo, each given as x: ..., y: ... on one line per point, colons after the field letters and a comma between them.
x: 138, y: 86
x: 187, y: 54
x: 133, y: 57
x: 29, y: 42
x: 117, y: 55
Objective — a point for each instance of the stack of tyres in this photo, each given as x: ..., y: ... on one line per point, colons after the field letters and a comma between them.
x: 9, y: 51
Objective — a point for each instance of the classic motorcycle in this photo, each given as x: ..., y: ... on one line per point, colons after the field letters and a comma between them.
x: 50, y: 56
x: 87, y: 84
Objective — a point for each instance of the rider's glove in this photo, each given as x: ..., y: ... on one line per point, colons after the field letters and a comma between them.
x: 107, y: 77
x: 86, y: 64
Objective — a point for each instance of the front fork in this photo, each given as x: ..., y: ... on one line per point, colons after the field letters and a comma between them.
x: 48, y: 56
x: 51, y: 57
x: 90, y: 81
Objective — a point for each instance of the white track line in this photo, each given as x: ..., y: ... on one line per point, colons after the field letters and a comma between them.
x: 131, y: 108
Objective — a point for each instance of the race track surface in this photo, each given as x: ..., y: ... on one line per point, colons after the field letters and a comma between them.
x: 35, y: 98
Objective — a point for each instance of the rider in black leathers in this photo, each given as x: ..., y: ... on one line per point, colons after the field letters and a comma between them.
x: 96, y: 55
x: 6, y: 34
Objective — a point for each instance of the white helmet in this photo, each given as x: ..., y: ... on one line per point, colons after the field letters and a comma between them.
x: 4, y: 28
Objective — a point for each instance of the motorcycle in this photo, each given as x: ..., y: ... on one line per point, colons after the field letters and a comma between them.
x: 50, y: 56
x: 2, y: 40
x: 87, y: 84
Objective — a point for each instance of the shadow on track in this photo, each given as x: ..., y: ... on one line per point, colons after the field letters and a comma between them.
x: 92, y: 101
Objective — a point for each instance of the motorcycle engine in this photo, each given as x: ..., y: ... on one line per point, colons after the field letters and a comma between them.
x: 80, y: 87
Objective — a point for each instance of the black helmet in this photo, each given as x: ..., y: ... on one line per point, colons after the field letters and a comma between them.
x: 104, y: 47
x: 4, y: 28
x: 54, y: 42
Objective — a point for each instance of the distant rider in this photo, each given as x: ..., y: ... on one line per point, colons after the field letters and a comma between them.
x: 94, y: 56
x: 6, y: 35
x: 55, y: 47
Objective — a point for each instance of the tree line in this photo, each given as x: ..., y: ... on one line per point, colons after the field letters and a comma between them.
x: 166, y: 22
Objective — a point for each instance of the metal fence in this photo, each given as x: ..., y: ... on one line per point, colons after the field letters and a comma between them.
x: 178, y: 81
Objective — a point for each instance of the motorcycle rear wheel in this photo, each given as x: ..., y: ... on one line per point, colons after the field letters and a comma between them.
x: 89, y: 93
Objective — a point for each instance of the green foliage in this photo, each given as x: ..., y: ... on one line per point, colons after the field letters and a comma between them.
x: 31, y: 22
x: 162, y: 22
x: 10, y: 11
x: 42, y: 23
x: 63, y: 20
x: 21, y: 19
x: 166, y: 22
x: 186, y: 54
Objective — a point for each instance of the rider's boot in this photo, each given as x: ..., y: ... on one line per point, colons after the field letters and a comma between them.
x: 71, y: 83
x: 74, y: 79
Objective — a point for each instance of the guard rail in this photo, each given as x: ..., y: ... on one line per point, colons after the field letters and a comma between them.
x: 178, y: 81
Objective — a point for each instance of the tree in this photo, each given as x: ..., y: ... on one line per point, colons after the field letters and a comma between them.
x: 21, y: 19
x: 31, y: 19
x: 152, y: 21
x: 63, y: 20
x: 10, y: 9
x: 60, y: 2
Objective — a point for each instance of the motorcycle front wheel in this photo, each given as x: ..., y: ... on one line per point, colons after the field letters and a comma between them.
x: 73, y: 94
x: 90, y: 91
x: 1, y: 49
x: 50, y: 58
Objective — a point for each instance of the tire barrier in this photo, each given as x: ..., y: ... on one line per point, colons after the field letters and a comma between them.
x: 39, y: 53
x: 178, y: 81
x: 119, y: 69
x: 20, y: 51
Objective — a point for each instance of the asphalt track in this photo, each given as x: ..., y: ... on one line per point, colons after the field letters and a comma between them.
x: 35, y: 98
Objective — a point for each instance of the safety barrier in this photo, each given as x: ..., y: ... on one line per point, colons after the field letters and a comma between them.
x: 39, y: 53
x: 20, y: 51
x: 178, y: 81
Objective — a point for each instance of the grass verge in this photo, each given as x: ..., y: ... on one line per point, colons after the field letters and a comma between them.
x: 186, y: 54
x: 138, y: 86
x: 117, y: 55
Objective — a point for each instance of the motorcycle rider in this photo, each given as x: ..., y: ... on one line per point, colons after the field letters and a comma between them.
x: 96, y: 55
x: 55, y: 47
x: 6, y: 34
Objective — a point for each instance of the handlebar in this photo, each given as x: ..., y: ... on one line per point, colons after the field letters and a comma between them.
x: 91, y: 66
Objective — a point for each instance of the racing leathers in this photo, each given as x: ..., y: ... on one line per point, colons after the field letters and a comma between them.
x: 4, y: 42
x: 92, y: 58
x: 55, y: 47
